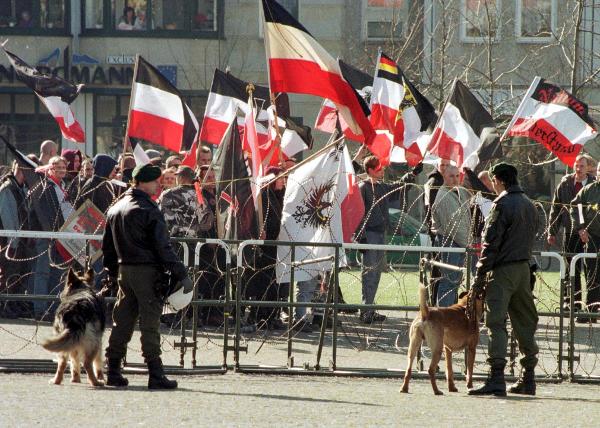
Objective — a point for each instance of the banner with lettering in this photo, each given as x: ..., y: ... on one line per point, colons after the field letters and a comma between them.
x: 554, y: 118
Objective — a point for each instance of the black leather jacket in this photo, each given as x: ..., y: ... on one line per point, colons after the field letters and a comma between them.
x: 510, y: 231
x: 136, y: 234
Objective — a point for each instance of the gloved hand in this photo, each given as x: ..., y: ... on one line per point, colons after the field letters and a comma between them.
x: 417, y: 169
x: 532, y: 277
x: 478, y: 285
x: 187, y: 284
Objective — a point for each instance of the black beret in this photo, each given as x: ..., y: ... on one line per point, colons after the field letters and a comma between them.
x: 146, y: 173
x: 503, y: 169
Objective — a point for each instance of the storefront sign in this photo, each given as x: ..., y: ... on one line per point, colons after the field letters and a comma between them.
x: 120, y: 59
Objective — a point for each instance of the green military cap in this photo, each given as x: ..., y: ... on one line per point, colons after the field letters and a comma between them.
x: 502, y: 169
x: 146, y: 173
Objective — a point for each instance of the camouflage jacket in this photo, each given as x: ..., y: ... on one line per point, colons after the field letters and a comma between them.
x: 185, y: 217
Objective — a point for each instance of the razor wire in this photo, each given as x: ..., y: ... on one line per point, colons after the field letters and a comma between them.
x: 398, y: 286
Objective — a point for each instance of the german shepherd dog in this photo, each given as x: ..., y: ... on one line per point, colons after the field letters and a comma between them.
x: 448, y: 329
x: 79, y: 326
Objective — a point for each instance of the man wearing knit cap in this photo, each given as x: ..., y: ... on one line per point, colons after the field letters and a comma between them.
x: 137, y: 249
x: 504, y: 276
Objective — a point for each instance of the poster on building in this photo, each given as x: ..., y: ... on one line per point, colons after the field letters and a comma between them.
x: 87, y: 220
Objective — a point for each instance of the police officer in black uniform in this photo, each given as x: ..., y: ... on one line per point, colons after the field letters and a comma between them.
x: 137, y: 249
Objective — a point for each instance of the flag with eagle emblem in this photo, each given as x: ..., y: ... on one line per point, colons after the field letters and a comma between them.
x: 322, y: 205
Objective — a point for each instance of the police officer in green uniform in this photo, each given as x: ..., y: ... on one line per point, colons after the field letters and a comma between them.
x: 137, y: 249
x: 503, y: 274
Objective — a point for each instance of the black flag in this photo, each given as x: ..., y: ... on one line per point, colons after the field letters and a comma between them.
x: 236, y: 216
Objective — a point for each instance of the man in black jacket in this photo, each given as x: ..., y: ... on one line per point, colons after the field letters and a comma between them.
x: 99, y: 189
x: 508, y: 241
x: 559, y: 219
x: 14, y: 263
x: 136, y: 247
x: 434, y: 181
x: 376, y: 196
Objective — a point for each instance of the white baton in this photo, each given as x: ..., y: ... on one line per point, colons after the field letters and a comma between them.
x: 580, y: 209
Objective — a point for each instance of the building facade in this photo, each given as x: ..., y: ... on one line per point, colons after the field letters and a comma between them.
x: 94, y: 42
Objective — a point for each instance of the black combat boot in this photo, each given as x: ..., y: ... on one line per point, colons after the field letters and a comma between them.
x: 525, y: 384
x: 113, y: 375
x: 157, y: 378
x: 494, y: 385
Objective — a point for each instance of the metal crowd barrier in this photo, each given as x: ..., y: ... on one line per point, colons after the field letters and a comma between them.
x: 232, y: 307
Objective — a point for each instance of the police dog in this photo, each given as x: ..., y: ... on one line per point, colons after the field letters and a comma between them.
x: 78, y: 326
x: 450, y: 329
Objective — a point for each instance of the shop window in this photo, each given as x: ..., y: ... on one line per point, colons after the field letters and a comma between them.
x: 25, y: 123
x: 480, y: 20
x: 22, y: 16
x: 535, y: 19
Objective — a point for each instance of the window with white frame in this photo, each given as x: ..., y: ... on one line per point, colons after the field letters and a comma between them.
x: 535, y: 19
x: 480, y: 20
x: 382, y: 19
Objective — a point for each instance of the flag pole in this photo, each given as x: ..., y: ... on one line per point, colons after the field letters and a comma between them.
x: 126, y: 143
x: 259, y: 211
x: 277, y: 131
x: 333, y: 141
x: 529, y: 92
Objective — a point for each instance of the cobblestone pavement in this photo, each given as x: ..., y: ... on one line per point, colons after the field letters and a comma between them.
x: 237, y: 399
x: 253, y: 400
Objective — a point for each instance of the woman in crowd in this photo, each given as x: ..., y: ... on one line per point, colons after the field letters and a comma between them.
x: 72, y: 180
x: 127, y: 21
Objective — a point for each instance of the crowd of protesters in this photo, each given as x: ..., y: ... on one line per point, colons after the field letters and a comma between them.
x: 456, y: 203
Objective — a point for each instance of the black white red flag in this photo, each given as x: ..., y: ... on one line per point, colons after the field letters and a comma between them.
x: 235, y: 211
x: 158, y: 113
x: 399, y: 108
x: 554, y: 118
x: 328, y: 118
x: 465, y: 131
x: 227, y: 95
x: 55, y: 93
x: 299, y: 64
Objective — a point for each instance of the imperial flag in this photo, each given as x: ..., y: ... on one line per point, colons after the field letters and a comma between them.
x: 158, y: 112
x: 55, y: 93
x: 465, y: 132
x: 554, y: 118
x: 299, y: 64
x: 322, y: 204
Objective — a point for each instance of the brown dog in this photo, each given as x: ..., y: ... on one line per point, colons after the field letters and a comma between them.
x: 449, y: 329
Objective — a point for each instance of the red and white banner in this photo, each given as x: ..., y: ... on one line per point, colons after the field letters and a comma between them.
x: 250, y: 141
x: 554, y: 118
x: 62, y: 113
